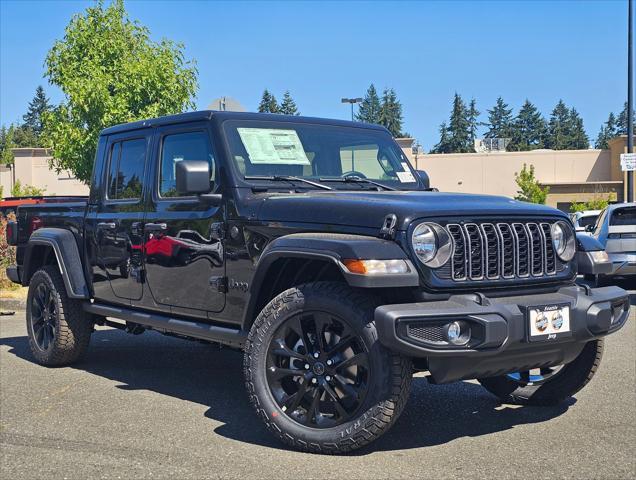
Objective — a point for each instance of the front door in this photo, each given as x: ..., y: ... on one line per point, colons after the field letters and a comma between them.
x: 184, y: 258
x: 119, y: 215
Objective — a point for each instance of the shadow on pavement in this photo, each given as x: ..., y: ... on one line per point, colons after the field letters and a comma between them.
x: 202, y: 374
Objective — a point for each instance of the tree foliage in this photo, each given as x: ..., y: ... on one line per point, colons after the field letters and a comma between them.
x: 288, y: 106
x: 473, y: 121
x: 607, y: 132
x: 110, y: 72
x: 499, y: 120
x: 19, y: 190
x: 15, y: 137
x: 369, y: 110
x: 529, y: 188
x: 268, y: 103
x: 391, y: 112
x: 566, y: 130
x: 529, y: 129
x: 458, y: 135
x: 597, y: 203
x: 33, y: 118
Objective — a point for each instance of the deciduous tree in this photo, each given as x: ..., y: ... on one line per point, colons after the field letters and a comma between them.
x: 529, y: 188
x: 110, y: 72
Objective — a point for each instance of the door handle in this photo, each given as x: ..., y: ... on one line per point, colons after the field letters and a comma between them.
x: 106, y: 226
x: 155, y: 227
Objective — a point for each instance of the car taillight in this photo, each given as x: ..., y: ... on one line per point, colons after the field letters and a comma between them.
x: 35, y: 223
x: 12, y: 233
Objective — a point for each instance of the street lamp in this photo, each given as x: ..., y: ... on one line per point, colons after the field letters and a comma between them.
x: 352, y: 101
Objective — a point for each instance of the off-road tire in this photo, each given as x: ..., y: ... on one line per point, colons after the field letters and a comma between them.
x: 572, y: 378
x: 386, y: 396
x: 73, y: 326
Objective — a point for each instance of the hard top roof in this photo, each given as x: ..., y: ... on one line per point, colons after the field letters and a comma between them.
x: 221, y: 116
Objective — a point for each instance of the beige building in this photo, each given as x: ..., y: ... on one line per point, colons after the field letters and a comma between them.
x: 31, y: 167
x: 572, y: 175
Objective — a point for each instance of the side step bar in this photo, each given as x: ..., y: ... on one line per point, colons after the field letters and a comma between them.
x: 188, y: 328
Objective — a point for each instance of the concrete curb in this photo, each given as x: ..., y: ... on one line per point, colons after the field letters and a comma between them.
x: 12, y: 304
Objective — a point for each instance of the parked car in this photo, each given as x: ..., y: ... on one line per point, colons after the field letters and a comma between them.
x: 616, y: 231
x: 585, y: 219
x: 315, y: 248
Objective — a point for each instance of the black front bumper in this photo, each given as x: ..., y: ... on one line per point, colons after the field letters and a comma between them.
x: 499, y: 330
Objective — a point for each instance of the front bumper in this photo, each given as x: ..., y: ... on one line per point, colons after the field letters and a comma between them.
x: 499, y: 330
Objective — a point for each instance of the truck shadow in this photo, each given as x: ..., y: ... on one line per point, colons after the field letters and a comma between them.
x: 434, y: 415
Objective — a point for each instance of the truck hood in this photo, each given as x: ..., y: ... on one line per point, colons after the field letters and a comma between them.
x: 368, y: 208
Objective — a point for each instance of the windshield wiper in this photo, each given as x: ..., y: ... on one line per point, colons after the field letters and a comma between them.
x: 357, y: 179
x: 287, y: 178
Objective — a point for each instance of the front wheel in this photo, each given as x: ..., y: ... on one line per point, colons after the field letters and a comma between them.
x: 317, y: 374
x: 547, y: 386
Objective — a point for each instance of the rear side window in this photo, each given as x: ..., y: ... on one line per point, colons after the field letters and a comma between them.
x: 178, y: 147
x: 624, y: 216
x: 589, y: 220
x: 126, y: 169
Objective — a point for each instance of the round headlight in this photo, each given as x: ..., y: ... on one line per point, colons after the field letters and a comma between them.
x: 432, y: 244
x: 563, y: 241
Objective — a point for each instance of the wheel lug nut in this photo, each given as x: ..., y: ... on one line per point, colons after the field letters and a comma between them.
x: 313, y: 380
x: 328, y: 378
x: 306, y: 366
x: 316, y: 354
x: 329, y: 362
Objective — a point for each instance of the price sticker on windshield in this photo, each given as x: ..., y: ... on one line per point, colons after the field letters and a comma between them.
x: 273, y: 146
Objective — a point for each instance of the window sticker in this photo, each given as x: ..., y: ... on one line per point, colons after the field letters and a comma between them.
x: 405, y: 177
x: 265, y: 145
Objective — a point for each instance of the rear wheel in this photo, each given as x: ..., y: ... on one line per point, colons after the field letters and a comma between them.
x: 547, y: 386
x: 317, y: 374
x: 58, y: 328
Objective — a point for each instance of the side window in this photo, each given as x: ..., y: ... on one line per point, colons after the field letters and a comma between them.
x: 126, y: 169
x: 178, y: 147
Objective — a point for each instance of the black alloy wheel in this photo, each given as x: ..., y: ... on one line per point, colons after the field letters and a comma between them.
x: 318, y: 369
x: 44, y: 317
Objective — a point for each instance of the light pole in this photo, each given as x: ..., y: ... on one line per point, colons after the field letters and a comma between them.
x: 352, y: 101
x: 630, y: 111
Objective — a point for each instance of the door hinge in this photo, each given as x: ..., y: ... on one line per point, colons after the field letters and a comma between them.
x: 219, y: 284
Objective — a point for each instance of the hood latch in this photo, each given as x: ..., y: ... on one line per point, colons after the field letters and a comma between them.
x: 389, y: 227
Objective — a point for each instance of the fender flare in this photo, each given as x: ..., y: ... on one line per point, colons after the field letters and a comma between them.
x: 67, y: 255
x: 334, y: 248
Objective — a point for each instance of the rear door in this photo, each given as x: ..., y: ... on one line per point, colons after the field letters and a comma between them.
x: 118, y: 216
x: 184, y: 257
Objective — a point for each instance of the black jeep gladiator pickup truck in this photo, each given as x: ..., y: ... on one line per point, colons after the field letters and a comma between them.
x: 315, y: 248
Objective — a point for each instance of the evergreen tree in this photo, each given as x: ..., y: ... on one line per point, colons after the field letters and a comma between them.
x: 391, y: 112
x: 37, y: 108
x: 369, y: 111
x: 288, y: 106
x: 499, y: 120
x: 607, y: 132
x: 459, y: 127
x: 473, y: 115
x: 268, y: 103
x: 578, y: 139
x: 621, y: 122
x: 443, y: 146
x: 529, y: 129
x: 559, y: 127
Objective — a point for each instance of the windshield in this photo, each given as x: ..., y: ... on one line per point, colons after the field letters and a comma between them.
x: 624, y: 216
x: 321, y: 153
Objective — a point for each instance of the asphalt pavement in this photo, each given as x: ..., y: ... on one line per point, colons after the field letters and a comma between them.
x: 151, y: 406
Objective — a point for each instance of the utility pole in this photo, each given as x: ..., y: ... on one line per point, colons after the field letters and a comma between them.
x: 630, y: 111
x: 352, y: 101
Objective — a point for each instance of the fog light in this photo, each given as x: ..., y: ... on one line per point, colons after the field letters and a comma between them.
x: 457, y: 333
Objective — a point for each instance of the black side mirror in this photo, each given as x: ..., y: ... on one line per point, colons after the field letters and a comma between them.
x: 424, y: 178
x: 589, y: 228
x: 193, y: 177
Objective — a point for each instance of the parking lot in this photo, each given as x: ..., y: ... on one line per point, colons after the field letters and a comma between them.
x: 151, y: 406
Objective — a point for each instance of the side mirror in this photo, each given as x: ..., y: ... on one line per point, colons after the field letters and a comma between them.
x: 193, y: 177
x: 589, y: 228
x: 424, y: 178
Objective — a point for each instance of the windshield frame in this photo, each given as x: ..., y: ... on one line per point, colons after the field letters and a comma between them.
x: 240, y: 181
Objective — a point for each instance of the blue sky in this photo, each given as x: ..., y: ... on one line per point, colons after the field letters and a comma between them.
x: 323, y: 51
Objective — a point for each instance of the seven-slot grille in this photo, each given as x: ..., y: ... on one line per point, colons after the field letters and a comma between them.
x: 488, y: 251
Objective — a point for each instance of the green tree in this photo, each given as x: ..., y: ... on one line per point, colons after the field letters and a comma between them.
x: 597, y: 203
x: 443, y: 146
x: 558, y: 137
x: 529, y: 129
x: 7, y: 142
x: 110, y: 72
x: 473, y: 122
x: 578, y: 139
x: 369, y: 110
x: 288, y: 106
x: 35, y: 112
x: 459, y: 127
x: 499, y: 120
x: 268, y: 103
x: 18, y: 190
x: 607, y: 132
x: 391, y: 112
x: 621, y: 121
x: 529, y: 188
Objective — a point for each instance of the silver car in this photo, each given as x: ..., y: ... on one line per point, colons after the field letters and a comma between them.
x: 616, y: 230
x: 585, y: 219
